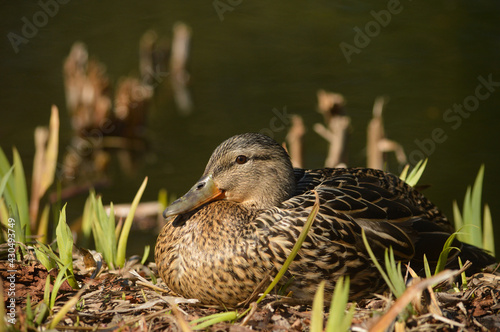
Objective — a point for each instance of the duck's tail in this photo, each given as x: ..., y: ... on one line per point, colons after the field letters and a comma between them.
x: 431, y: 244
x: 478, y: 257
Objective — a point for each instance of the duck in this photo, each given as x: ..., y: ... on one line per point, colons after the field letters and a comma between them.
x: 234, y: 229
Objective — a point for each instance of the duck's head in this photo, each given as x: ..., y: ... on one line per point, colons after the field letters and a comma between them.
x: 251, y: 169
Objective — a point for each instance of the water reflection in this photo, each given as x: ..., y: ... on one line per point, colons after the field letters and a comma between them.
x: 266, y: 56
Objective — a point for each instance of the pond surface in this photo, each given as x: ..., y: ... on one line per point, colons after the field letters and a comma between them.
x: 249, y: 58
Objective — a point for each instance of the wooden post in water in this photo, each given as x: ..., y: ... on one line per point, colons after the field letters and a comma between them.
x: 294, y: 140
x: 377, y: 144
x: 332, y: 106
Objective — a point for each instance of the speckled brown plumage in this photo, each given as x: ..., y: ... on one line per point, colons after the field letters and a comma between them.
x: 220, y: 248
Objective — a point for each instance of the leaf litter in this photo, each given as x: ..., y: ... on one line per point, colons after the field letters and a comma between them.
x: 127, y: 300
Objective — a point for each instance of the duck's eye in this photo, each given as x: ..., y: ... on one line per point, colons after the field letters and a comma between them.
x: 241, y: 159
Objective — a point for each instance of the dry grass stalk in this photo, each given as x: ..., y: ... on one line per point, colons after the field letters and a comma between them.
x: 181, y: 321
x: 294, y: 139
x: 377, y: 143
x: 411, y: 292
x: 178, y: 74
x: 44, y: 162
x: 331, y: 105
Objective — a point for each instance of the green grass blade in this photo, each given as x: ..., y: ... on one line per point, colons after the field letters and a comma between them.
x: 43, y: 225
x: 467, y: 216
x: 18, y: 227
x: 87, y: 222
x: 214, y: 319
x: 427, y: 268
x: 4, y: 168
x: 46, y: 292
x: 64, y: 239
x: 295, y: 249
x: 44, y: 256
x: 50, y: 160
x: 209, y: 317
x: 347, y: 321
x: 146, y: 254
x: 103, y: 228
x: 65, y: 245
x: 109, y: 235
x: 163, y: 199
x: 476, y: 208
x: 443, y: 256
x: 122, y: 243
x: 317, y: 309
x: 108, y: 227
x: 21, y: 194
x: 57, y: 284
x: 394, y: 272
x: 404, y: 172
x: 5, y: 177
x: 112, y: 228
x: 458, y: 221
x: 96, y: 226
x: 463, y: 276
x: 4, y: 216
x: 41, y: 312
x: 416, y: 173
x: 30, y: 315
x: 65, y: 308
x: 338, y: 320
x: 376, y: 263
x: 488, y: 234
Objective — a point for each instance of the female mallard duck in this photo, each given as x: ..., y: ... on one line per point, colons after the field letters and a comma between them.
x: 239, y: 222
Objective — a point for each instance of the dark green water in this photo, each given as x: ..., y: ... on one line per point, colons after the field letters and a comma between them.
x: 266, y: 55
